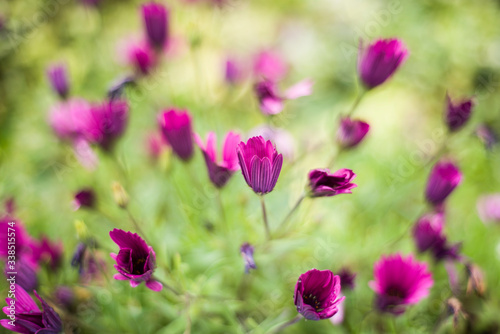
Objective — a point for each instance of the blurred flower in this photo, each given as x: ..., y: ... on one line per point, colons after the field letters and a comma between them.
x: 347, y: 278
x: 379, y: 60
x: 270, y: 65
x: 427, y: 231
x: 283, y: 139
x: 260, y: 164
x: 135, y: 261
x: 15, y: 239
x: 246, y: 251
x: 457, y: 114
x: 65, y: 296
x: 317, y: 294
x: 400, y: 282
x: 84, y: 198
x: 58, y: 78
x: 118, y: 86
x: 105, y: 123
x: 488, y: 207
x: 25, y: 316
x: 155, y: 143
x: 140, y: 56
x: 234, y: 72
x: 272, y: 102
x: 10, y: 206
x: 119, y: 194
x: 338, y: 318
x: 351, y: 132
x: 156, y: 22
x: 219, y: 173
x: 78, y: 257
x: 443, y: 179
x: 455, y: 308
x: 176, y: 126
x: 48, y: 251
x: 26, y: 275
x: 323, y: 183
x: 487, y: 135
x: 65, y: 118
x: 85, y: 154
x: 476, y: 281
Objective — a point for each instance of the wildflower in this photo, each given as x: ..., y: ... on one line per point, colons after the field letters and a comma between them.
x: 487, y: 135
x: 351, y: 132
x: 317, y: 294
x: 271, y: 101
x: 176, y: 126
x: 84, y: 198
x: 65, y: 118
x: 347, y: 278
x: 135, y: 261
x: 323, y: 183
x: 58, y: 78
x: 457, y: 114
x: 270, y: 65
x: 246, y: 251
x: 444, y: 178
x: 156, y: 20
x: 488, y: 207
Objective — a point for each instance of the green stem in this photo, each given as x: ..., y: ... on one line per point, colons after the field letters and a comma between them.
x: 295, y: 207
x: 356, y: 102
x: 288, y: 323
x: 264, y: 216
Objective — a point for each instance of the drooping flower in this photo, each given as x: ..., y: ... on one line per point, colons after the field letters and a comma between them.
x: 65, y: 118
x: 427, y: 231
x: 399, y: 282
x: 156, y: 20
x: 58, y: 78
x: 347, y: 278
x: 84, y: 198
x: 271, y: 101
x: 28, y: 317
x: 323, y: 183
x: 443, y: 179
x: 220, y: 172
x: 317, y: 294
x: 176, y: 126
x: 488, y: 208
x: 351, y: 132
x: 260, y: 164
x: 270, y: 65
x: 379, y: 60
x: 457, y: 114
x: 135, y: 261
x: 246, y: 251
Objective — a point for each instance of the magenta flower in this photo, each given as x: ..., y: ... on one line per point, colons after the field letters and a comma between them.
x: 488, y: 208
x: 105, y: 123
x: 322, y: 183
x: 48, y: 252
x: 220, y: 172
x: 351, y: 132
x: 156, y: 19
x: 58, y: 78
x: 270, y: 65
x: 400, y: 282
x: 246, y: 251
x: 155, y: 143
x: 28, y: 317
x: 260, y: 164
x: 317, y: 294
x: 84, y: 198
x: 65, y: 118
x: 271, y: 101
x: 233, y: 72
x: 444, y: 178
x: 135, y: 261
x: 140, y: 56
x: 347, y: 278
x: 428, y: 230
x: 176, y: 126
x: 487, y: 135
x: 379, y: 61
x: 457, y: 114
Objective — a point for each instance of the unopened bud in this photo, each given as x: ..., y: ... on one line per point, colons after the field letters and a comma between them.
x: 120, y: 195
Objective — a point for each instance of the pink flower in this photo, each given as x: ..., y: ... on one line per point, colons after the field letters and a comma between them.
x: 65, y: 118
x: 323, y: 183
x: 351, y: 132
x: 176, y: 126
x: 443, y: 179
x: 156, y: 23
x: 488, y: 208
x: 270, y: 65
x: 271, y: 101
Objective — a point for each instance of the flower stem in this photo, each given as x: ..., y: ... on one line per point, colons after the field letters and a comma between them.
x: 264, y: 215
x: 295, y: 207
x: 356, y: 102
x: 288, y: 323
x: 168, y: 287
x: 221, y: 208
x: 136, y: 224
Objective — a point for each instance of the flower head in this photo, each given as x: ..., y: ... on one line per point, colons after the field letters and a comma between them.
x: 246, y: 251
x: 428, y: 230
x: 444, y: 178
x: 176, y: 126
x: 351, y: 132
x: 379, y: 60
x: 271, y: 101
x: 29, y: 318
x: 135, y: 261
x: 488, y: 208
x: 220, y: 172
x: 347, y: 278
x: 270, y: 65
x: 58, y: 78
x: 65, y: 118
x: 156, y: 19
x: 317, y: 294
x: 260, y: 164
x: 457, y: 114
x: 400, y: 281
x: 233, y: 71
x: 84, y: 198
x: 323, y: 183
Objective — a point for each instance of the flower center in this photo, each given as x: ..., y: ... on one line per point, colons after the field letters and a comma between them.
x: 138, y: 268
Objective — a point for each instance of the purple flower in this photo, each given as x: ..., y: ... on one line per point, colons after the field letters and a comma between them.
x: 84, y: 198
x: 270, y: 65
x: 135, y: 261
x: 58, y: 78
x: 246, y: 251
x: 488, y: 208
x: 457, y: 114
x: 347, y: 278
x: 78, y: 257
x: 26, y: 275
x: 317, y: 294
x: 260, y: 164
x: 400, y: 282
x: 65, y: 118
x: 140, y: 56
x: 322, y: 183
x: 487, y: 135
x: 220, y: 172
x: 427, y: 231
x: 155, y: 18
x: 379, y: 61
x: 176, y: 126
x: 443, y: 179
x: 48, y: 252
x: 233, y: 71
x: 105, y: 123
x: 271, y: 101
x: 28, y: 317
x: 351, y: 132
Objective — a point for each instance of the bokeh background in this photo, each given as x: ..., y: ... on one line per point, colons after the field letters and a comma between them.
x: 454, y: 47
